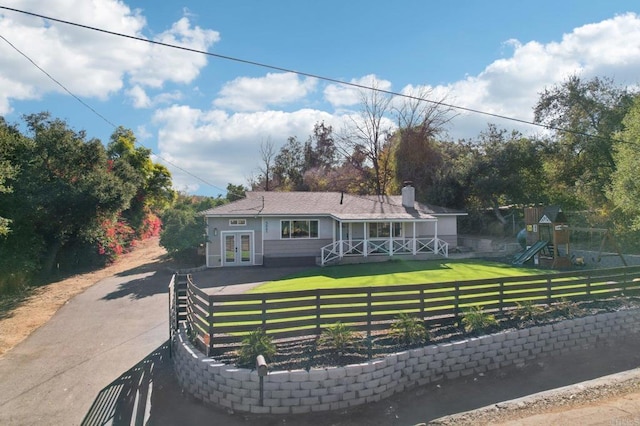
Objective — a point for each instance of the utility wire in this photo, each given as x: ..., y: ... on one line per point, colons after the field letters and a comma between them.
x: 311, y: 75
x: 102, y: 116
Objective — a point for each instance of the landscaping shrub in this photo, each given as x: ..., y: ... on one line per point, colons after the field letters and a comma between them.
x: 256, y: 343
x: 527, y: 312
x: 475, y: 320
x: 408, y: 329
x: 339, y: 338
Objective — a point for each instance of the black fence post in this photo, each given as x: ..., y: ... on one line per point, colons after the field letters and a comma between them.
x: 501, y: 306
x: 210, y: 328
x: 171, y: 313
x: 318, y: 313
x: 264, y: 312
x: 456, y: 301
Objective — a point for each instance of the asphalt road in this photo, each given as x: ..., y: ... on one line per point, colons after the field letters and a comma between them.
x: 54, y: 376
x: 103, y: 359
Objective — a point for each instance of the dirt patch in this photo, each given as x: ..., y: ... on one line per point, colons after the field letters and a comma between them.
x: 43, y: 302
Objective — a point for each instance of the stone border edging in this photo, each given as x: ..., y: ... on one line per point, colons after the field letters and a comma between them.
x: 540, y: 398
x: 334, y: 388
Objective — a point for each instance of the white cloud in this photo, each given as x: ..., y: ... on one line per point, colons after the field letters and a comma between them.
x: 90, y: 63
x: 140, y: 99
x: 169, y: 64
x: 341, y: 95
x: 255, y: 94
x: 512, y: 86
x: 223, y: 148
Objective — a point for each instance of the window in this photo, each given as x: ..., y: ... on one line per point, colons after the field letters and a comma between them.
x: 237, y: 222
x: 299, y: 229
x: 383, y: 229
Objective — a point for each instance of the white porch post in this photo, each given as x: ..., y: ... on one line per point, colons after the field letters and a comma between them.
x: 435, y: 239
x: 390, y: 238
x: 365, y: 225
x: 340, y: 250
x: 413, y: 243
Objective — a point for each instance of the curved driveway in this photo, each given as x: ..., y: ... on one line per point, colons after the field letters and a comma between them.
x: 54, y: 376
x: 103, y: 359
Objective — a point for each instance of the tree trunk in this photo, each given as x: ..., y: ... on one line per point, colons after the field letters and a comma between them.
x: 498, y: 214
x: 50, y: 258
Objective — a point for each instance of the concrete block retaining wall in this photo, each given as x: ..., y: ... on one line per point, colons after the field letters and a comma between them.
x: 334, y: 388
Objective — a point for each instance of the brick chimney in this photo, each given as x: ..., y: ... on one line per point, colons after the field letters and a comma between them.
x: 408, y: 195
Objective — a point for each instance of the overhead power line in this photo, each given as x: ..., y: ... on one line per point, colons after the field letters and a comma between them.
x: 301, y: 73
x: 306, y: 74
x: 86, y: 105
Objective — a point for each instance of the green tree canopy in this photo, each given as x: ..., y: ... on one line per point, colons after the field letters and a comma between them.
x: 579, y: 159
x: 625, y: 185
x: 62, y: 187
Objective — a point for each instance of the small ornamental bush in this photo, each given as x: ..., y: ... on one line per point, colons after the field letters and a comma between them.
x: 567, y: 309
x: 528, y: 312
x: 256, y: 343
x: 476, y: 321
x: 408, y: 329
x: 339, y: 338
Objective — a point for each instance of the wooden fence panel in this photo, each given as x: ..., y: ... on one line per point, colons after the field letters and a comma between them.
x: 305, y: 313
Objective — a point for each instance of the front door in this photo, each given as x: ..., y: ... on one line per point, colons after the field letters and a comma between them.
x: 238, y: 249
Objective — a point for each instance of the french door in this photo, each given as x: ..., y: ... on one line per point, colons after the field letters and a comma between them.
x: 238, y: 248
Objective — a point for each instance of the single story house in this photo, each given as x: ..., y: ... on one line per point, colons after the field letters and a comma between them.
x: 268, y: 228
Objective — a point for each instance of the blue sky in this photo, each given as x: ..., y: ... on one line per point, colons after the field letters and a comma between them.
x: 210, y: 115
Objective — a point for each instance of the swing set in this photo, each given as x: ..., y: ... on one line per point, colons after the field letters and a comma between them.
x: 605, y: 237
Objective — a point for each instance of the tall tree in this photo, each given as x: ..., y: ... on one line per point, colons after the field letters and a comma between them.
x: 289, y: 165
x: 505, y: 169
x: 320, y: 148
x: 235, y: 192
x: 63, y: 187
x: 368, y: 132
x: 8, y: 139
x: 416, y: 155
x: 625, y: 186
x: 580, y: 160
x: 152, y: 181
x: 267, y: 155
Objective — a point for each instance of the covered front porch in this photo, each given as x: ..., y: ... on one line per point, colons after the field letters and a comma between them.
x: 388, y: 238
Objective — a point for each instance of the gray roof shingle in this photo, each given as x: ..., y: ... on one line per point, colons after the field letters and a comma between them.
x: 340, y: 206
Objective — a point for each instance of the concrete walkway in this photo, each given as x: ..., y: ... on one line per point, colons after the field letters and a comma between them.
x: 103, y: 359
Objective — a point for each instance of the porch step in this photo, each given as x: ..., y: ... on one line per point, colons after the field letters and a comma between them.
x: 275, y: 262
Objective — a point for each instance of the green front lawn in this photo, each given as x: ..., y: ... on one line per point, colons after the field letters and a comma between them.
x: 393, y: 273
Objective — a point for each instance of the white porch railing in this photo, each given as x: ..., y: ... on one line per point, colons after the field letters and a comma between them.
x: 384, y: 247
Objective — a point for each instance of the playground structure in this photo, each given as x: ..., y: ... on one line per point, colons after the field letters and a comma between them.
x: 547, y: 238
